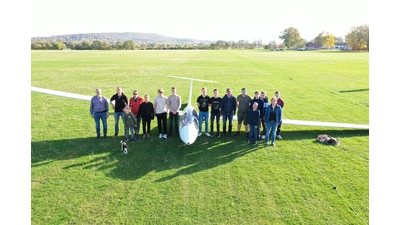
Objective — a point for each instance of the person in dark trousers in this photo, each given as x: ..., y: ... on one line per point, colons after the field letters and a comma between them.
x: 161, y: 111
x: 281, y: 103
x: 260, y: 104
x: 174, y: 104
x: 228, y: 110
x: 215, y: 105
x: 146, y: 112
x: 118, y: 103
x: 254, y: 123
x: 265, y: 99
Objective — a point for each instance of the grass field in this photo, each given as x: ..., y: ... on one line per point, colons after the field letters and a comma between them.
x: 77, y: 179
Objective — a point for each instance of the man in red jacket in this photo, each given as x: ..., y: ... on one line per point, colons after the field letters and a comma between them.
x: 134, y: 103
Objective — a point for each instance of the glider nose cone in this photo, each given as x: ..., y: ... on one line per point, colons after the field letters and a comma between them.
x: 188, y: 134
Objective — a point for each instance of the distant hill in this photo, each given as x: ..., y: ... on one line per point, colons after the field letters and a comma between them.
x: 115, y: 37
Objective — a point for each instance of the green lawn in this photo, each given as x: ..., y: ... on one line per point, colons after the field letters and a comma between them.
x: 77, y: 179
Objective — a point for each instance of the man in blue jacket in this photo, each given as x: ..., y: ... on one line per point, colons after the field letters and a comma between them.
x: 228, y: 110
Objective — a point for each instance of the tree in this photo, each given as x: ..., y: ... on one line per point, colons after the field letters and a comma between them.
x: 330, y: 40
x: 129, y: 45
x: 339, y: 39
x: 358, y: 37
x: 321, y: 38
x: 291, y: 37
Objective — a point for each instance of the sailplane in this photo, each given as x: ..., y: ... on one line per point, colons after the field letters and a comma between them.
x: 189, y: 121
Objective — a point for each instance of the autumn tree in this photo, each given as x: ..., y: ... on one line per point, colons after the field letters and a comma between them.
x: 358, y: 37
x: 291, y: 37
x: 330, y: 40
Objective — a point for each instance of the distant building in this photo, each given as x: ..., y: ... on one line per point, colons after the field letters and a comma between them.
x: 341, y: 46
x: 313, y: 46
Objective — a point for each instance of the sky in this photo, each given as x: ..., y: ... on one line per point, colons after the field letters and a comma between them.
x: 199, y: 19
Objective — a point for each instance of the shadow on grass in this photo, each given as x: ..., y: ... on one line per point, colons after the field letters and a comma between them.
x: 157, y: 155
x: 356, y: 90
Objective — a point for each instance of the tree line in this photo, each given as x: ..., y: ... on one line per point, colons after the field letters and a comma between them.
x: 357, y: 38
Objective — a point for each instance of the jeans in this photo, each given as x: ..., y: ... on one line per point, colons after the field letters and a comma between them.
x: 253, y: 133
x: 103, y: 117
x: 273, y: 125
x: 203, y: 116
x: 174, y: 120
x: 215, y: 116
x: 131, y: 129
x: 224, y: 118
x: 116, y: 118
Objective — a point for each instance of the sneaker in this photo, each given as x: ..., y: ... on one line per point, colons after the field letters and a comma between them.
x: 218, y: 135
x: 144, y: 135
x: 132, y: 140
x: 237, y: 134
x: 255, y: 143
x: 148, y: 135
x: 263, y: 137
x: 98, y: 137
x: 266, y: 144
x: 160, y: 136
x: 126, y: 139
x: 105, y: 137
x: 199, y: 134
x: 273, y: 144
x: 247, y: 141
x: 165, y: 136
x: 279, y: 137
x: 116, y: 135
x: 208, y: 135
x: 247, y: 135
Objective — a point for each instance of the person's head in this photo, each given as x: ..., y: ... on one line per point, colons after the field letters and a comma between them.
x: 203, y: 90
x: 228, y: 92
x: 262, y: 94
x: 244, y: 91
x: 215, y: 92
x: 135, y: 94
x: 256, y: 94
x: 273, y: 101
x: 255, y: 106
x: 98, y: 91
x: 146, y: 97
x: 277, y: 94
x: 173, y: 90
x: 160, y: 91
x: 119, y: 90
x: 127, y: 109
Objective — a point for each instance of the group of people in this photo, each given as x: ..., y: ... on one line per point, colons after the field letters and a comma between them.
x: 253, y: 113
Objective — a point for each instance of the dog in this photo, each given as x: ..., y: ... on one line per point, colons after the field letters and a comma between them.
x: 124, y: 147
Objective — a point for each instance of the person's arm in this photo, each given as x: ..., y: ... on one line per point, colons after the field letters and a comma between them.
x: 91, y: 110
x: 106, y: 106
x: 155, y: 106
